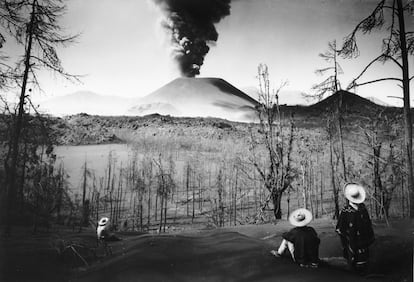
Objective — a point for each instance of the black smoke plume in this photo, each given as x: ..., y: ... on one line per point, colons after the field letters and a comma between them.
x: 191, y: 24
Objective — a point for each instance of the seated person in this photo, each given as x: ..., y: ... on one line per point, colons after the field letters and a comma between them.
x: 302, y: 241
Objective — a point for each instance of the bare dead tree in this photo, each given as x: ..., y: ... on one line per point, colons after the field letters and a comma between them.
x: 34, y: 25
x: 330, y: 86
x: 395, y: 48
x: 330, y: 129
x: 166, y: 184
x: 277, y: 175
x: 331, y: 83
x: 143, y: 186
x: 378, y: 131
x: 86, y: 174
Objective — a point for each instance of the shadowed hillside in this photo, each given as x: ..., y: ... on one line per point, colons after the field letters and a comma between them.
x: 351, y: 103
x: 353, y: 108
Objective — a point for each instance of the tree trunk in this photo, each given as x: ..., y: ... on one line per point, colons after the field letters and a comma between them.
x: 156, y: 205
x: 408, y: 140
x: 193, y: 214
x: 165, y: 210
x: 220, y: 199
x: 235, y: 201
x: 321, y: 193
x: 304, y: 195
x: 341, y: 141
x: 277, y: 199
x: 20, y: 196
x: 149, y: 207
x: 377, y: 179
x: 59, y: 199
x: 85, y: 171
x: 140, y: 202
x: 161, y: 192
x: 200, y: 195
x: 11, y: 170
x: 335, y: 190
x: 313, y: 206
x: 187, y: 185
x: 386, y: 200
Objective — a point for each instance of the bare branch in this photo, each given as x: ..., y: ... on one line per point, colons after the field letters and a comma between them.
x: 373, y: 81
x: 374, y: 20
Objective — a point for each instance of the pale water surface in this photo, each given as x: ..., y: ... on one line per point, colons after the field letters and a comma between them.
x: 96, y: 157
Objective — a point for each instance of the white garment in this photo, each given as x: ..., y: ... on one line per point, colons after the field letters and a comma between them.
x: 99, y: 230
x: 286, y: 244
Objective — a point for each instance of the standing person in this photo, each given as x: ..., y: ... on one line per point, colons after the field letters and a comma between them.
x: 355, y: 228
x: 302, y: 241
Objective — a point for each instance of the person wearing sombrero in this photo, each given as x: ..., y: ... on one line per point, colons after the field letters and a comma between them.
x: 102, y: 231
x: 355, y: 228
x: 302, y: 241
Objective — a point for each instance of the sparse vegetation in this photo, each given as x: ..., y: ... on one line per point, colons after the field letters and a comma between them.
x: 215, y: 181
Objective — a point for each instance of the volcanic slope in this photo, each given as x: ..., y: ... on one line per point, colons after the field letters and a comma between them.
x: 198, y: 97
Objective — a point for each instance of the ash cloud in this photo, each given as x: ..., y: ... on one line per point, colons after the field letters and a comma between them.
x: 191, y: 24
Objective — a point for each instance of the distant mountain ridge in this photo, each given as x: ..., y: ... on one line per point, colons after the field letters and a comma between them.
x: 86, y: 102
x: 89, y: 129
x: 200, y: 97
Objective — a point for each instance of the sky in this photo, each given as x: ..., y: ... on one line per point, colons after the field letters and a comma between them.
x: 123, y: 51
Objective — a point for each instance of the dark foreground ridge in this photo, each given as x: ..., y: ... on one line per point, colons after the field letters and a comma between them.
x: 240, y: 253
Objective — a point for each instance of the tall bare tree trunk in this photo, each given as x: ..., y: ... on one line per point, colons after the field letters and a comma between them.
x: 408, y: 140
x: 156, y: 205
x: 84, y: 184
x: 11, y: 170
x: 321, y: 191
x: 340, y: 136
x: 304, y: 195
x: 149, y: 207
x: 193, y: 215
x: 187, y: 185
x: 331, y: 162
x: 277, y: 200
x: 165, y: 209
x: 377, y: 179
x: 20, y: 192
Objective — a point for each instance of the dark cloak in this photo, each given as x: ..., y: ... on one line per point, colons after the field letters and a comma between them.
x: 306, y: 243
x: 355, y: 229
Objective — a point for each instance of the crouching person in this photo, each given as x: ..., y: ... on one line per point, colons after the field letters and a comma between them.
x: 355, y: 229
x: 104, y: 236
x: 301, y: 242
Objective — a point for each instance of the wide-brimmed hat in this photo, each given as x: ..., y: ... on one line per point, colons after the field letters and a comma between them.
x: 103, y: 221
x: 300, y: 217
x: 355, y: 193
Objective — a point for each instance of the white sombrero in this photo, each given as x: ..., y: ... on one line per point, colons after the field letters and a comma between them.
x: 300, y: 217
x: 103, y: 221
x: 355, y: 193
